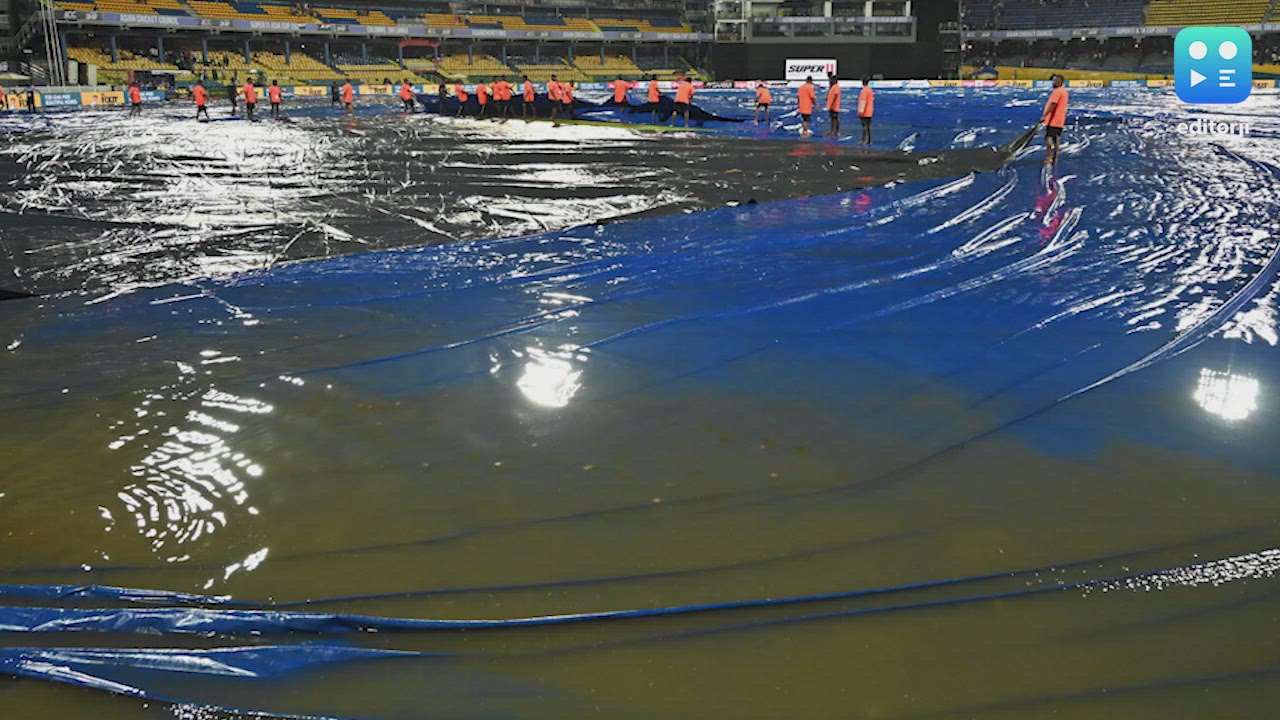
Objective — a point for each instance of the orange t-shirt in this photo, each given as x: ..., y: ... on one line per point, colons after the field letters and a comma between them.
x: 684, y: 92
x: 808, y: 98
x: 135, y: 95
x: 250, y: 94
x: 653, y: 91
x: 348, y: 93
x: 553, y: 91
x: 763, y: 96
x: 866, y: 102
x: 201, y: 95
x: 528, y: 91
x: 620, y: 88
x: 460, y: 91
x: 482, y: 93
x: 1058, y: 98
x: 566, y: 93
x: 275, y: 93
x: 406, y: 91
x: 833, y: 97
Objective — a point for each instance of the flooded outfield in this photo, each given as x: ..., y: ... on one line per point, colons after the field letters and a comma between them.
x: 991, y: 446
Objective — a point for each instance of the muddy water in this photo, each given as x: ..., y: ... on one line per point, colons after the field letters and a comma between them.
x: 1033, y: 410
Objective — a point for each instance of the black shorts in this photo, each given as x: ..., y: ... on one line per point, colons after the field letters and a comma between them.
x: 275, y: 106
x: 834, y: 114
x: 762, y: 105
x: 866, y: 121
x: 1053, y: 132
x: 806, y: 116
x: 137, y: 105
x: 682, y: 107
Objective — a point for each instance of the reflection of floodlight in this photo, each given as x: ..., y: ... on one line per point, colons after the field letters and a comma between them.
x: 1231, y: 397
x: 549, y: 382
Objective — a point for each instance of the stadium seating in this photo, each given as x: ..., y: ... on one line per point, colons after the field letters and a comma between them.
x: 481, y: 66
x: 1032, y: 14
x: 670, y: 69
x: 302, y: 68
x: 1199, y: 12
x: 117, y: 73
x: 662, y: 25
x: 542, y: 70
x: 609, y: 68
x: 143, y: 7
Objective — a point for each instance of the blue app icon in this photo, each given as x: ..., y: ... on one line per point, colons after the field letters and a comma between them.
x: 1213, y: 65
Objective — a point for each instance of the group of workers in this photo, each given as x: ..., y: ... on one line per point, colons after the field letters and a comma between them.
x: 808, y: 100
x: 561, y: 97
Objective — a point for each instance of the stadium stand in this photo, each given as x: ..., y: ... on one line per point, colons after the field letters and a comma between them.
x: 452, y: 22
x: 373, y: 70
x: 299, y: 67
x: 481, y: 66
x: 358, y: 17
x: 149, y: 7
x: 542, y: 70
x: 609, y: 68
x: 663, y: 25
x: 1198, y: 12
x: 669, y: 69
x: 1033, y: 14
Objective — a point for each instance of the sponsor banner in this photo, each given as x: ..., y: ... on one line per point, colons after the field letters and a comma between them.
x: 946, y: 83
x: 1084, y: 83
x: 1159, y: 83
x: 878, y: 84
x: 1264, y: 83
x: 799, y: 69
x: 594, y: 86
x: 743, y: 85
x: 1043, y: 84
x: 1015, y: 83
x: 95, y: 99
x: 978, y: 83
x: 719, y: 85
x: 60, y: 99
x: 153, y: 96
x: 917, y: 84
x: 1128, y: 83
x: 310, y: 91
x: 374, y: 90
x: 18, y: 101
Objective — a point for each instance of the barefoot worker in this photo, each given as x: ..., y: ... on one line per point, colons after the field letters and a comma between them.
x: 866, y: 109
x: 654, y: 98
x: 808, y: 97
x: 833, y: 104
x: 684, y: 99
x: 276, y: 95
x: 201, y: 96
x: 348, y: 99
x: 461, y: 92
x: 135, y: 100
x: 1055, y: 119
x: 764, y: 99
x: 250, y: 99
x: 406, y: 96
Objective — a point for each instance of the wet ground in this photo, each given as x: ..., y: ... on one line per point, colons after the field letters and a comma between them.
x: 1032, y: 411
